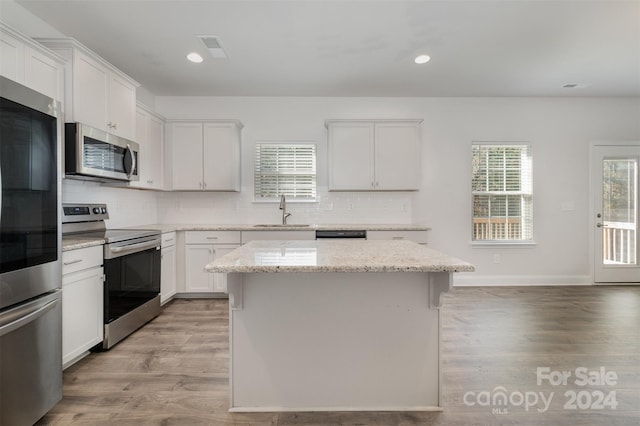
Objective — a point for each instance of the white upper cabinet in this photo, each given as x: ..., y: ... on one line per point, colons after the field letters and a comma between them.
x: 96, y: 92
x: 374, y: 155
x: 30, y: 64
x: 150, y: 136
x: 205, y: 156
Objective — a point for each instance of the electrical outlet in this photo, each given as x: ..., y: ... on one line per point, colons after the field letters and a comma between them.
x: 496, y: 258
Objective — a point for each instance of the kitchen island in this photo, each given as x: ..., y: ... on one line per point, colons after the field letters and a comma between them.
x: 335, y: 325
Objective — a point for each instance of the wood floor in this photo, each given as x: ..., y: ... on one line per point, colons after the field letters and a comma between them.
x: 174, y: 371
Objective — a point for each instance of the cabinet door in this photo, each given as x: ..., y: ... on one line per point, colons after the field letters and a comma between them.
x: 221, y: 153
x: 155, y: 150
x: 168, y: 273
x: 90, y: 81
x: 351, y: 156
x: 397, y: 156
x: 121, y: 116
x: 82, y: 318
x: 186, y: 151
x: 220, y: 280
x: 197, y: 256
x: 43, y: 74
x: 11, y: 58
x: 141, y: 138
x: 150, y: 136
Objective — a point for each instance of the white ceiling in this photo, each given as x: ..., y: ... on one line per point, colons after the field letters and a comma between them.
x: 363, y: 48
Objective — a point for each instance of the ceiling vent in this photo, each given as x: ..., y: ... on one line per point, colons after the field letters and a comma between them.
x: 214, y: 46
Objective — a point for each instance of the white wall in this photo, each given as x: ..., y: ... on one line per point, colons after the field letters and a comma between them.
x: 559, y: 130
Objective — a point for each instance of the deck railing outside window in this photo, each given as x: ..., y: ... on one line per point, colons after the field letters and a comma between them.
x: 619, y: 243
x: 497, y: 228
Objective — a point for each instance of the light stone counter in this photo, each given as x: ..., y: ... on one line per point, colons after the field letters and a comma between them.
x: 336, y: 256
x: 274, y: 227
x: 345, y: 325
x: 70, y: 243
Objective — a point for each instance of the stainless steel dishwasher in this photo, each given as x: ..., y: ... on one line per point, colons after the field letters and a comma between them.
x: 357, y: 234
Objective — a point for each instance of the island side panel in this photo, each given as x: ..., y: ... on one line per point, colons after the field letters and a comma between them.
x: 334, y: 341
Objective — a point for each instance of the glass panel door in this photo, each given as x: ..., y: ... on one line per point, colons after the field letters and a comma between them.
x: 29, y: 196
x: 616, y: 211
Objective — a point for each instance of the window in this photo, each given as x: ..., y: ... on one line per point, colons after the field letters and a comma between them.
x: 502, y: 192
x: 285, y: 168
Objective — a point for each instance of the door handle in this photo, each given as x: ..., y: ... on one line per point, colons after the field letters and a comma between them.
x: 28, y: 314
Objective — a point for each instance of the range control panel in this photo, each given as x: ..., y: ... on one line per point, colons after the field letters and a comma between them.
x: 84, y: 212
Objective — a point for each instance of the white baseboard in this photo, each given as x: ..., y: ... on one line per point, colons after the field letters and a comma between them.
x: 473, y: 280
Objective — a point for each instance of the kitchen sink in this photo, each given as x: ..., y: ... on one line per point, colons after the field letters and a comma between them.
x: 279, y: 225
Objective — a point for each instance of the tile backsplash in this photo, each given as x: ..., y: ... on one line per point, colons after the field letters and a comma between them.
x: 240, y: 208
x: 131, y: 207
x: 127, y: 207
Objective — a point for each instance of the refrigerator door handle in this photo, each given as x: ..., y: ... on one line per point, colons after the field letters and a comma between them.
x: 23, y: 316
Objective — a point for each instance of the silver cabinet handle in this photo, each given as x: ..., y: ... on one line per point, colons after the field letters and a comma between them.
x: 212, y: 238
x: 72, y: 262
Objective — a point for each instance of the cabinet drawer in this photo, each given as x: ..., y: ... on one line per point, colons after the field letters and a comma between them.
x: 419, y: 237
x: 168, y: 239
x: 212, y: 237
x: 77, y: 260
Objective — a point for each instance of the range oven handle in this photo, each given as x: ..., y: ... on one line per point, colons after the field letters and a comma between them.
x: 26, y: 315
x: 112, y: 252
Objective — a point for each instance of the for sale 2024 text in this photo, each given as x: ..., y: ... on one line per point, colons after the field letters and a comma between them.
x: 583, y: 399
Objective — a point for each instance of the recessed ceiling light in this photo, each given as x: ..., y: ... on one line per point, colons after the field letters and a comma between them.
x: 422, y: 59
x: 194, y: 57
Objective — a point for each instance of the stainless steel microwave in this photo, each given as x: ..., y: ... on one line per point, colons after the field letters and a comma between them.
x: 95, y: 154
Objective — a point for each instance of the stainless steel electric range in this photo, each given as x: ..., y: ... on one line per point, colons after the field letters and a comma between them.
x: 131, y: 265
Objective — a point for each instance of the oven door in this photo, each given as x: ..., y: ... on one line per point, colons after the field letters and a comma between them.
x: 132, y: 274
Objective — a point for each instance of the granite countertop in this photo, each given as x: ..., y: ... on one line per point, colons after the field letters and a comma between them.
x: 336, y: 256
x: 71, y: 243
x: 276, y: 227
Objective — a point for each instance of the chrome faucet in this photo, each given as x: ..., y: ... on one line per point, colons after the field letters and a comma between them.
x: 283, y: 207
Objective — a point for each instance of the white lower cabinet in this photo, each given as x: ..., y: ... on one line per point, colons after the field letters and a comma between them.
x: 82, y: 302
x: 201, y: 248
x: 168, y: 267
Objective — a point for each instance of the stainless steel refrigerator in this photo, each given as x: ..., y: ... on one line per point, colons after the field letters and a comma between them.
x: 30, y: 251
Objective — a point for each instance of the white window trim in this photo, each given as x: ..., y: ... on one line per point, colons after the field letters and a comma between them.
x: 289, y: 200
x: 480, y: 244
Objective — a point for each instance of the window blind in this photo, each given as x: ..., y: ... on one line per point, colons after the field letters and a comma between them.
x: 285, y: 168
x: 502, y: 192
